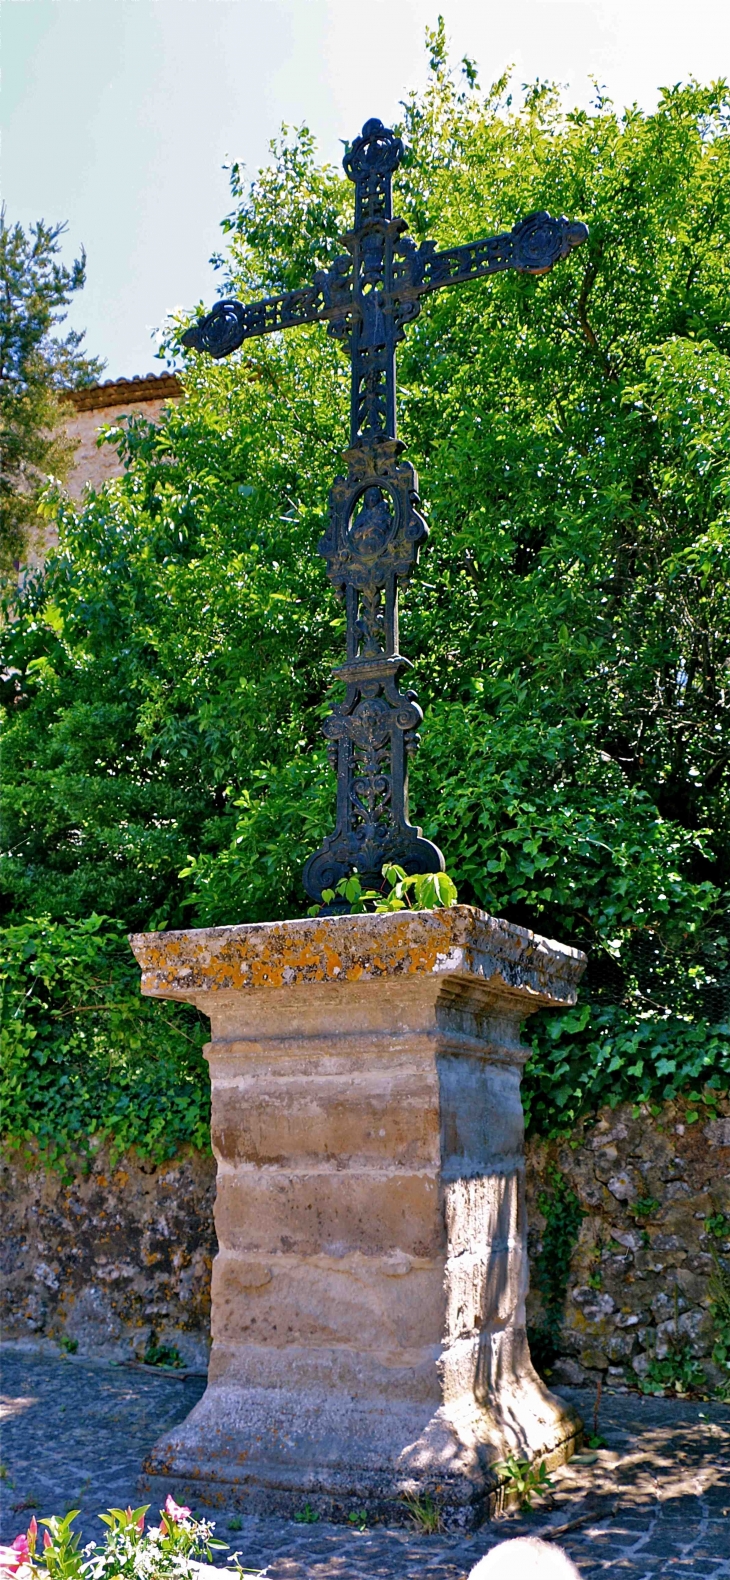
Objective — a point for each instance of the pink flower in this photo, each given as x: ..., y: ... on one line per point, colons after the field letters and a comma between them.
x: 11, y: 1558
x: 15, y: 1557
x: 32, y: 1532
x: 176, y: 1511
x: 47, y: 1539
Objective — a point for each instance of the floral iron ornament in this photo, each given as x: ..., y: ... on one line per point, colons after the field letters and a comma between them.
x: 375, y: 530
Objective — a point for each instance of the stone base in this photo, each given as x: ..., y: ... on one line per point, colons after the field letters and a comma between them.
x: 368, y: 1296
x: 270, y: 1452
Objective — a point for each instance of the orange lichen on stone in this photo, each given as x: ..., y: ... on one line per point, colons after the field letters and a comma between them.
x: 462, y: 942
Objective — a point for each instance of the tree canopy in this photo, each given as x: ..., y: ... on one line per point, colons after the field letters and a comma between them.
x: 35, y: 365
x: 163, y: 761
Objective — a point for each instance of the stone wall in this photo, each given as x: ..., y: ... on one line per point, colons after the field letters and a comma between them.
x: 640, y: 1273
x: 126, y: 1252
x: 94, y: 463
x: 113, y: 1260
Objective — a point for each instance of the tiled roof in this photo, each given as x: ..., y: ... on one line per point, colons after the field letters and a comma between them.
x: 125, y: 392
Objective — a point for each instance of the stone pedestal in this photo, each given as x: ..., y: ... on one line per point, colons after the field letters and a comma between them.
x: 369, y: 1291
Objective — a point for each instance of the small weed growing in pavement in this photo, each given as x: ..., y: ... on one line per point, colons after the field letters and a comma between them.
x: 526, y: 1480
x: 594, y: 1439
x: 718, y: 1225
x: 67, y: 1344
x: 5, y: 1475
x: 162, y: 1354
x: 236, y: 1523
x: 306, y: 1516
x: 424, y: 1514
x: 358, y: 1519
x: 679, y: 1372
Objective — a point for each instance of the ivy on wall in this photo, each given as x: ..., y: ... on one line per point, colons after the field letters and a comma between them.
x: 550, y: 1269
x: 596, y: 1055
x: 83, y: 1058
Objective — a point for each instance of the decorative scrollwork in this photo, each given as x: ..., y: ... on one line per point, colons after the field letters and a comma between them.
x: 220, y: 332
x: 540, y: 242
x: 367, y: 296
x: 370, y: 163
x: 375, y: 528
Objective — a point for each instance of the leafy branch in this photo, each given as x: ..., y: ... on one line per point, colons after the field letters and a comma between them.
x: 429, y: 891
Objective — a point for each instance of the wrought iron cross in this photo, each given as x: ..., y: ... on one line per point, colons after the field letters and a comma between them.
x: 375, y: 530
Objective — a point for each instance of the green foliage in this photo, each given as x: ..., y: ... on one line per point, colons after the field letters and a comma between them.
x: 424, y: 1514
x: 678, y: 1372
x: 719, y: 1291
x: 430, y: 890
x: 644, y: 1207
x: 523, y: 1478
x: 34, y: 366
x: 61, y: 1558
x: 563, y: 1216
x: 162, y: 758
x: 128, y: 1552
x: 287, y: 222
x: 306, y: 1516
x: 611, y: 1054
x: 167, y: 1355
x: 82, y: 1059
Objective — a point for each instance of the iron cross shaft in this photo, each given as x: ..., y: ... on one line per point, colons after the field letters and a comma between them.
x: 375, y: 529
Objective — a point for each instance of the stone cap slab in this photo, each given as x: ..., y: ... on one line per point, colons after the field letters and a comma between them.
x: 461, y: 943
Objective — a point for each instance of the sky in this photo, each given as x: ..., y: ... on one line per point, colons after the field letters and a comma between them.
x: 118, y: 116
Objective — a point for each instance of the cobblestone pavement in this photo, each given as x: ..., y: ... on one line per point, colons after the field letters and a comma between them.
x: 655, y: 1504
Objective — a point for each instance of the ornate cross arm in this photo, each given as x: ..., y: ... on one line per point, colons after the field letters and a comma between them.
x: 532, y: 247
x: 229, y: 323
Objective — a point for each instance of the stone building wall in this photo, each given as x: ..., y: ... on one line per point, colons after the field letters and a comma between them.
x: 125, y: 1253
x: 89, y: 410
x: 103, y: 405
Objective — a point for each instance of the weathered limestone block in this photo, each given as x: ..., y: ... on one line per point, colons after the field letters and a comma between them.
x: 368, y: 1300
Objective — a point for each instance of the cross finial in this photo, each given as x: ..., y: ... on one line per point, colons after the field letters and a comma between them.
x: 370, y: 163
